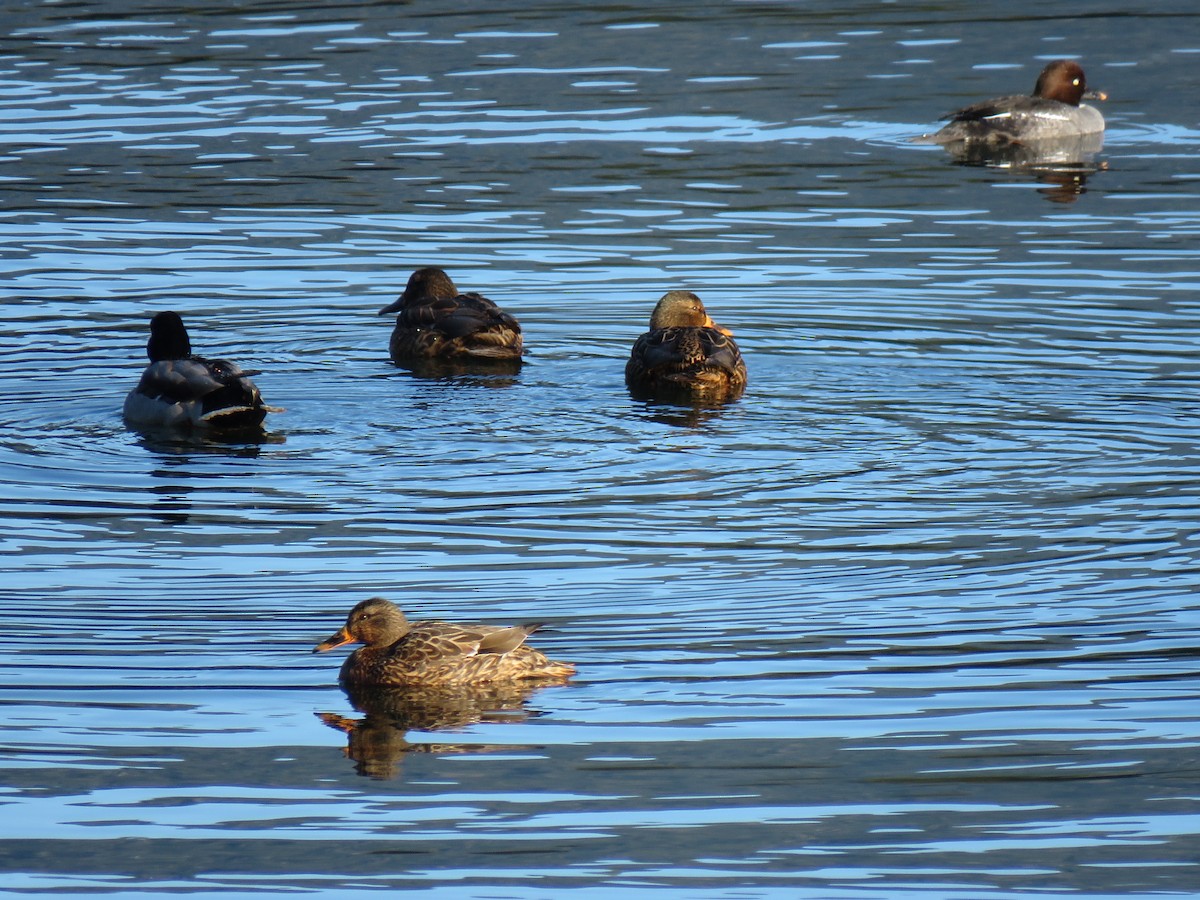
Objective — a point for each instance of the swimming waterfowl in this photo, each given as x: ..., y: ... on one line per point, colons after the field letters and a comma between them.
x: 1052, y: 112
x: 398, y: 652
x: 181, y: 391
x: 685, y: 353
x: 436, y: 322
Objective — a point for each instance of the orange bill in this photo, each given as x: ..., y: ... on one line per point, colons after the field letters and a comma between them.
x: 709, y: 323
x: 340, y: 639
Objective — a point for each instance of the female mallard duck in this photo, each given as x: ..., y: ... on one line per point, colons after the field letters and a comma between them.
x: 685, y: 353
x: 399, y: 652
x: 436, y: 322
x: 179, y: 390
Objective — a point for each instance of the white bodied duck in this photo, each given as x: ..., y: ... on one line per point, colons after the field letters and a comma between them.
x: 1054, y: 111
x: 181, y: 391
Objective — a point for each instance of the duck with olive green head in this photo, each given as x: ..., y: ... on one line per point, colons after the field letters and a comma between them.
x: 685, y: 354
x: 398, y: 652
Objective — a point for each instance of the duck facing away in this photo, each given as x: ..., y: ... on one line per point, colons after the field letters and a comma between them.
x: 1052, y: 112
x: 398, y: 652
x: 685, y: 353
x: 435, y: 322
x: 181, y: 391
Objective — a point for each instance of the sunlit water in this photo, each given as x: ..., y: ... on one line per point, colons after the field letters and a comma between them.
x: 916, y: 616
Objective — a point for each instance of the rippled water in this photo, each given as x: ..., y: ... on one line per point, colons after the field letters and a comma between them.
x: 916, y: 616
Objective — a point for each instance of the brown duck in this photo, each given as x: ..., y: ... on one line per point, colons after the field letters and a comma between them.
x: 435, y: 322
x: 685, y: 353
x: 399, y: 652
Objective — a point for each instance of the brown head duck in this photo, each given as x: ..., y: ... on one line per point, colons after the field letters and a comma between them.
x: 685, y: 354
x: 1054, y: 111
x: 434, y: 322
x: 398, y: 652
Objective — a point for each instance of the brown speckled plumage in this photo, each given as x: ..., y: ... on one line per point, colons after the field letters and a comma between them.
x: 685, y: 353
x: 435, y: 322
x: 399, y: 652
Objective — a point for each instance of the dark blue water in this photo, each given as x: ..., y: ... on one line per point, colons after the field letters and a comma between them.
x: 916, y: 616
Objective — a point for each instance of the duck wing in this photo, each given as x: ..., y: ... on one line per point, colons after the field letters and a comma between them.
x: 999, y: 107
x: 460, y: 316
x: 441, y: 642
x: 178, y: 380
x: 503, y: 640
x: 673, y: 349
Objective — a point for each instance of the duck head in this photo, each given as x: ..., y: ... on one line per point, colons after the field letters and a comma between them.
x: 429, y: 283
x: 682, y: 309
x: 375, y: 622
x: 1063, y: 80
x: 168, y: 338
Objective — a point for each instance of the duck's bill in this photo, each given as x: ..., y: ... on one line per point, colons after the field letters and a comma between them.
x: 391, y: 308
x: 709, y: 323
x: 1095, y: 95
x: 341, y: 639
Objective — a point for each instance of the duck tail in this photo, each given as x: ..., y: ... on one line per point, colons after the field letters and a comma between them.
x: 556, y: 669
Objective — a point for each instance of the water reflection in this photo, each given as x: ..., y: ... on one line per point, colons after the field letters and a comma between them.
x: 241, y: 444
x: 496, y: 373
x: 1063, y: 165
x: 379, y: 740
x: 818, y: 613
x: 173, y: 483
x: 683, y: 412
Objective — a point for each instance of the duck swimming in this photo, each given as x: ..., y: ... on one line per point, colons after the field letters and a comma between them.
x: 399, y: 652
x: 1052, y: 112
x: 181, y: 391
x: 685, y: 353
x: 436, y: 322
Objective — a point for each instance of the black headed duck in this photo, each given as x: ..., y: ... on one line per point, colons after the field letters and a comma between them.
x: 179, y: 390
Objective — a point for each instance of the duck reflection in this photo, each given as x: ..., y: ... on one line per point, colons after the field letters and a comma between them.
x: 174, y: 475
x: 379, y: 741
x: 685, y: 412
x: 245, y: 444
x: 1063, y: 165
x: 485, y: 373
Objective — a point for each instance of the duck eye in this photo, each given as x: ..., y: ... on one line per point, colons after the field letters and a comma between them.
x: 1075, y: 82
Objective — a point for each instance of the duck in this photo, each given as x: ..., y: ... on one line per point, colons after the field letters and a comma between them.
x: 1052, y: 112
x: 685, y: 353
x: 435, y: 322
x: 181, y: 391
x: 400, y: 653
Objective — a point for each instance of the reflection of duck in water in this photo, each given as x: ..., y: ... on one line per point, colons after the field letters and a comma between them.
x: 685, y: 354
x: 181, y: 391
x: 435, y: 323
x: 403, y: 653
x: 378, y: 742
x: 1053, y: 112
